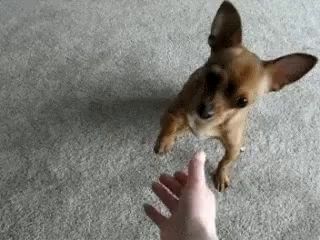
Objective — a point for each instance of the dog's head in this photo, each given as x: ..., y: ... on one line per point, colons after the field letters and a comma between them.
x: 234, y: 77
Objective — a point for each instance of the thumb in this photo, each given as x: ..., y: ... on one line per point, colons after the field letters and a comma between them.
x: 196, y: 169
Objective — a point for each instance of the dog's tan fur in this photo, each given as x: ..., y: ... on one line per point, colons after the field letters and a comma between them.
x: 240, y: 73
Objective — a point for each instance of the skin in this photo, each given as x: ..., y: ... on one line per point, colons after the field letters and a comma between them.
x: 237, y: 74
x: 190, y: 201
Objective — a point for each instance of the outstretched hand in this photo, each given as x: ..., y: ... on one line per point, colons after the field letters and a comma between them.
x: 190, y: 201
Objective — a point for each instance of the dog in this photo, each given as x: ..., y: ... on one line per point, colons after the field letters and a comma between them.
x: 216, y: 99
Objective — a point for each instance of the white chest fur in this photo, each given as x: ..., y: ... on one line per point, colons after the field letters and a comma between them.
x: 201, y: 128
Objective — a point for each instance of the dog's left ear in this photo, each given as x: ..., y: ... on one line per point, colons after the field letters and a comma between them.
x: 226, y: 30
x: 288, y: 69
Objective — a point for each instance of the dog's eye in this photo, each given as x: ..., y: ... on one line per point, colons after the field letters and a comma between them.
x: 242, y: 102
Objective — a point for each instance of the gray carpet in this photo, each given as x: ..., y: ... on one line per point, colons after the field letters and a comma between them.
x: 82, y: 86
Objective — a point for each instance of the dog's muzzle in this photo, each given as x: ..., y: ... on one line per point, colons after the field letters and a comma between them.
x: 205, y: 110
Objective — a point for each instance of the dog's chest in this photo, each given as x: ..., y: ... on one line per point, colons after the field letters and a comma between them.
x: 202, y: 128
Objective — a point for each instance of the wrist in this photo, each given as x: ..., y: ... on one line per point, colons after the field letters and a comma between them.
x: 215, y: 237
x: 202, y: 234
x: 212, y: 236
x: 210, y: 233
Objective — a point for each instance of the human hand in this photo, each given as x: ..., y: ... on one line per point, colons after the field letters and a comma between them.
x: 190, y: 201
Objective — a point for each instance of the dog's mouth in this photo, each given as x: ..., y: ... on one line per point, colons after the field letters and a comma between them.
x: 205, y: 111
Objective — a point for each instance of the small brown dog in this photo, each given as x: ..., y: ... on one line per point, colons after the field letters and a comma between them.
x: 216, y: 99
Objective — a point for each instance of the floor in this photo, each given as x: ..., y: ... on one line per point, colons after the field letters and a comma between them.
x: 82, y: 87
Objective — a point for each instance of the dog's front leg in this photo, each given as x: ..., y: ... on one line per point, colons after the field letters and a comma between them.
x: 232, y: 141
x: 172, y: 124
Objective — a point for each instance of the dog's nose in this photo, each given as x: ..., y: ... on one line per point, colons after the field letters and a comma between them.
x: 205, y: 111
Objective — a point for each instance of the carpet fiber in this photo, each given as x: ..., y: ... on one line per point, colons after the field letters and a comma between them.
x: 82, y: 87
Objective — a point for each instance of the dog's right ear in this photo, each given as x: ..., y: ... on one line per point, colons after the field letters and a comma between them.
x: 226, y: 30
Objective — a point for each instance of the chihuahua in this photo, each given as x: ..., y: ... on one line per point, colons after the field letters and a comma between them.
x: 215, y: 101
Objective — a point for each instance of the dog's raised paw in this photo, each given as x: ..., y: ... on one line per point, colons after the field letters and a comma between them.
x: 221, y: 180
x: 163, y: 145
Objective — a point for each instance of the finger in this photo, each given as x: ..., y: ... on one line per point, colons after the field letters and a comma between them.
x: 196, y: 169
x: 181, y: 177
x: 171, y: 183
x: 168, y: 199
x: 154, y: 215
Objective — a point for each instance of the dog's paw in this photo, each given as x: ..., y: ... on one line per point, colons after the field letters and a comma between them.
x: 163, y: 145
x: 221, y: 180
